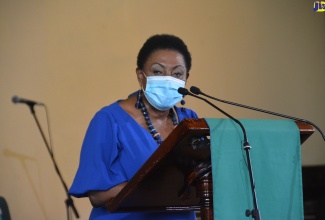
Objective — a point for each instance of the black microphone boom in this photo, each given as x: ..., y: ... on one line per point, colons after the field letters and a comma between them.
x: 184, y: 92
x: 197, y: 91
x: 16, y: 99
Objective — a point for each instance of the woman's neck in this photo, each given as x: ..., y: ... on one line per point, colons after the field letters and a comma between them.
x: 154, y: 113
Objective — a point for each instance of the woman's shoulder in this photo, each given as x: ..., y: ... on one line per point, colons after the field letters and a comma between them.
x: 111, y: 107
x: 112, y: 110
x: 120, y: 106
x: 117, y: 112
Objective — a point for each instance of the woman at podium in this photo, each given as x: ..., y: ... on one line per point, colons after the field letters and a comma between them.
x: 123, y: 135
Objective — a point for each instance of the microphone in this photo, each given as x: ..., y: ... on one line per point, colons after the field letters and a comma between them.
x: 16, y: 99
x: 197, y: 91
x: 255, y: 212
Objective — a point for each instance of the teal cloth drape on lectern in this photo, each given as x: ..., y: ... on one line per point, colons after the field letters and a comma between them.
x: 276, y: 163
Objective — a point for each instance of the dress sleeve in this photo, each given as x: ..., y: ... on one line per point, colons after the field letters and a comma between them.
x: 98, y: 168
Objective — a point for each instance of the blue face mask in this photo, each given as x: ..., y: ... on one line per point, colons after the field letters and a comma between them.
x: 161, y: 91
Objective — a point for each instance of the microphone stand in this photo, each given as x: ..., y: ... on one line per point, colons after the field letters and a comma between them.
x: 255, y: 212
x: 68, y: 202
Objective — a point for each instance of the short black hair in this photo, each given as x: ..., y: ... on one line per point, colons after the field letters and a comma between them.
x: 161, y: 42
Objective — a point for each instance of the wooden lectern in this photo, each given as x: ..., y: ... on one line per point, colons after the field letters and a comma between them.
x: 177, y: 176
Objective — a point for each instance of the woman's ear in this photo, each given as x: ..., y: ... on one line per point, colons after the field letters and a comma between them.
x: 139, y: 75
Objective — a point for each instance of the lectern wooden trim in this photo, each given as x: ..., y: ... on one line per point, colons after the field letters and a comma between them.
x: 177, y: 176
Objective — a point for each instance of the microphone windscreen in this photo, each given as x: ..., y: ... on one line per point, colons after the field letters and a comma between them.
x: 195, y: 90
x: 15, y: 99
x: 182, y: 91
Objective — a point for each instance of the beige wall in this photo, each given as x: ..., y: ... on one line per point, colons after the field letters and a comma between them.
x: 77, y: 56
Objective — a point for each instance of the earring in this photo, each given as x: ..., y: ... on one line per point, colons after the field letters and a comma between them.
x: 183, y: 103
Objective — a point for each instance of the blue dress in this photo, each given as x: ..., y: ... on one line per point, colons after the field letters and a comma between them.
x: 114, y: 148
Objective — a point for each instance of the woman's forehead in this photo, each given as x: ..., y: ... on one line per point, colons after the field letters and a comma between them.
x: 166, y: 58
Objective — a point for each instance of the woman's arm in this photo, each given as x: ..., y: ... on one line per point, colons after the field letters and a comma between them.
x: 100, y: 198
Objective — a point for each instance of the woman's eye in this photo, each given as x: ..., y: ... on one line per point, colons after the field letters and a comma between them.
x: 157, y: 72
x: 178, y: 74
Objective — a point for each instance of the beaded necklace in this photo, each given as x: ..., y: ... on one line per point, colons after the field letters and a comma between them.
x: 140, y: 105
